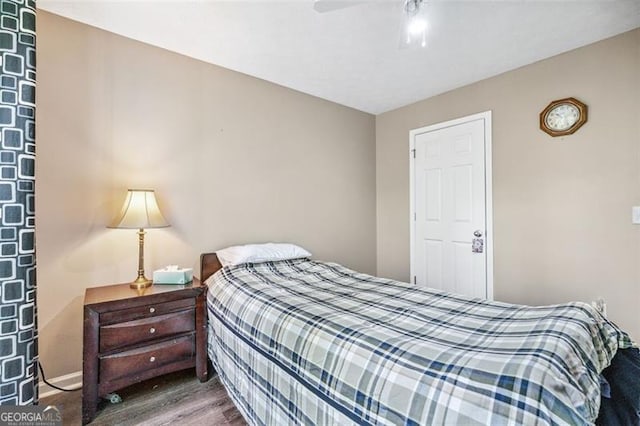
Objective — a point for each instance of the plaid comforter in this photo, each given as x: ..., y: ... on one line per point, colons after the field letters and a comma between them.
x: 304, y: 342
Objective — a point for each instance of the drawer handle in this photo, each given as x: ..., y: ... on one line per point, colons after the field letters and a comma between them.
x: 152, y: 310
x: 152, y: 330
x: 152, y: 359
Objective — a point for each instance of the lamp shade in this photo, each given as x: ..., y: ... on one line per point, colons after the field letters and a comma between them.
x: 140, y: 210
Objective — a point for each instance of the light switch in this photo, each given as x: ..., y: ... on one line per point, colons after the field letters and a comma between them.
x: 635, y: 215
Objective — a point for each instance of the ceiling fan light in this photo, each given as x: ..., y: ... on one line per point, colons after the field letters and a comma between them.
x: 417, y: 26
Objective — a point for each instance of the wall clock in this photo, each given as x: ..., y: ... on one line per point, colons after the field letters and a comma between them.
x: 563, y: 117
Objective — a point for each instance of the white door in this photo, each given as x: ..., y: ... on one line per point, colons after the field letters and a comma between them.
x: 451, y: 223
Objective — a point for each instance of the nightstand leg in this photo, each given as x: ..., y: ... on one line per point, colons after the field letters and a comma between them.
x: 89, y: 406
x: 201, y: 338
x: 90, y: 366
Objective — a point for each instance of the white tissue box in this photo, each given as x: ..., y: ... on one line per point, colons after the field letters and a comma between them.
x: 173, y: 275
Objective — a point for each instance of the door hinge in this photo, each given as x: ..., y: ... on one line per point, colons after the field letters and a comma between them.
x: 415, y: 216
x: 415, y: 281
x: 413, y: 152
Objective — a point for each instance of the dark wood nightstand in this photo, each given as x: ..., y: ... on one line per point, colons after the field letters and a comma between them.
x: 131, y: 337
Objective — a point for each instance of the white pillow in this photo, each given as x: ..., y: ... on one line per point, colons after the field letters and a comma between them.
x: 256, y: 253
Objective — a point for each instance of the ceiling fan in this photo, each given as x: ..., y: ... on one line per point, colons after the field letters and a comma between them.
x: 415, y: 25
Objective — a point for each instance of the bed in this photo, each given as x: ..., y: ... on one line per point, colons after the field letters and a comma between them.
x: 306, y: 342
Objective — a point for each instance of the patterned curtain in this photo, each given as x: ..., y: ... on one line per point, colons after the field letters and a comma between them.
x: 18, y: 328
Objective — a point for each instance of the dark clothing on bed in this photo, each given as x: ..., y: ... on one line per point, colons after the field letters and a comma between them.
x: 623, y: 376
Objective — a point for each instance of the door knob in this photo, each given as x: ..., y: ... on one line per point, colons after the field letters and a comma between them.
x: 477, y: 233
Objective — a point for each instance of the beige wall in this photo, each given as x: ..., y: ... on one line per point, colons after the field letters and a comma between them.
x: 562, y: 206
x: 233, y: 160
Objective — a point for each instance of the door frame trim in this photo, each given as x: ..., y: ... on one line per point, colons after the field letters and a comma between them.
x: 488, y: 187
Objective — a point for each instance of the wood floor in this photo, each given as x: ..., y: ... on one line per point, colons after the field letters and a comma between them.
x: 174, y: 399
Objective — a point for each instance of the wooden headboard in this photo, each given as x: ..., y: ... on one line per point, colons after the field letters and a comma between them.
x: 209, y: 265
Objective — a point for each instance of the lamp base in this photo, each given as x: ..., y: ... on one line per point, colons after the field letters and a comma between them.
x: 141, y: 282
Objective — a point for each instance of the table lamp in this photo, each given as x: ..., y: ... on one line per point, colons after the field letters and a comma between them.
x: 140, y: 211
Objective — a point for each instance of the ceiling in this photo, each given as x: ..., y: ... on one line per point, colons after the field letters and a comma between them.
x: 351, y: 56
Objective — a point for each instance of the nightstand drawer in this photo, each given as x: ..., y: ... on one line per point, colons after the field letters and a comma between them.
x: 129, y: 363
x: 146, y: 311
x: 138, y: 331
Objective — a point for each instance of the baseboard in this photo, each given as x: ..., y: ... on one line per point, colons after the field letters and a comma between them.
x: 68, y: 381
